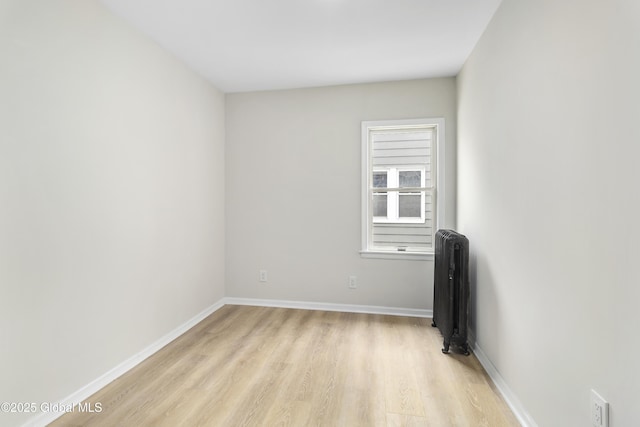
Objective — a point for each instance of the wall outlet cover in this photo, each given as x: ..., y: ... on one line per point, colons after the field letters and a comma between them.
x: 599, y: 410
x: 353, y: 282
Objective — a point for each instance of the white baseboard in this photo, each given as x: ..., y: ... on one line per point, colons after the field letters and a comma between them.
x: 347, y: 308
x: 508, y: 395
x: 95, y: 385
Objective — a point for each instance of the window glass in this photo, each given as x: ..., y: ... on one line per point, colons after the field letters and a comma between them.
x: 409, y: 205
x: 380, y: 180
x: 380, y: 205
x: 410, y: 179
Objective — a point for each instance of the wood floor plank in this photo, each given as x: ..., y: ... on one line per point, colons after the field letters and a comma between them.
x: 401, y: 386
x: 363, y: 401
x: 398, y: 420
x: 257, y: 366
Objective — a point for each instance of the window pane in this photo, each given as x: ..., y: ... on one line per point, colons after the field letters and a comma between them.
x: 410, y: 178
x: 380, y: 204
x: 379, y: 180
x: 409, y: 206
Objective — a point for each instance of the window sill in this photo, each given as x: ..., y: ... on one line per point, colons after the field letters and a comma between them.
x: 415, y: 256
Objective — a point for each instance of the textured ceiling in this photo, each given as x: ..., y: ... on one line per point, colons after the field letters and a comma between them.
x: 248, y: 45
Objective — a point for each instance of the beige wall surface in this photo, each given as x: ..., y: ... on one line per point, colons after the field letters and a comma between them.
x: 293, y: 192
x: 548, y: 142
x: 111, y: 196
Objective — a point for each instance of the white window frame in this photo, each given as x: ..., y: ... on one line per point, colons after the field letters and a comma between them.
x: 438, y: 192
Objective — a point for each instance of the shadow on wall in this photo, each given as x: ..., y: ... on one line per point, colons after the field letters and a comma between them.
x: 473, y: 275
x: 483, y: 298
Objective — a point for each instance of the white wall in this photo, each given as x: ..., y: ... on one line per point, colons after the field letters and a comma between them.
x: 548, y: 145
x: 293, y: 192
x: 111, y: 196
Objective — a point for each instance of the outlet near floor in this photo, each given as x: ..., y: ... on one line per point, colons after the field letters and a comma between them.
x: 263, y: 275
x: 599, y: 410
x: 353, y: 282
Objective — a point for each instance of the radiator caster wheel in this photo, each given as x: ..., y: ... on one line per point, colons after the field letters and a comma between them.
x: 465, y: 350
x: 445, y: 349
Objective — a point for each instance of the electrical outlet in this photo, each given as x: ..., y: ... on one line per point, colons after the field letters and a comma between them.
x: 353, y: 282
x: 599, y: 410
x: 263, y: 275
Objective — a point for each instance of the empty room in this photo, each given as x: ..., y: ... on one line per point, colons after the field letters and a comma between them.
x: 226, y: 213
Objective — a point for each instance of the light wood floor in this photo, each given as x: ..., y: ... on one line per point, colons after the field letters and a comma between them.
x: 246, y: 366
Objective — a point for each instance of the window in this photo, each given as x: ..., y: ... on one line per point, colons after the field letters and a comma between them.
x: 398, y: 206
x: 402, y: 165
